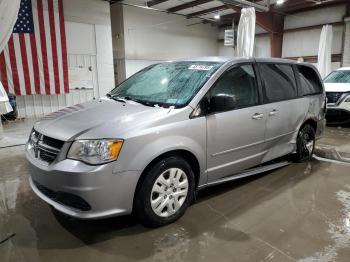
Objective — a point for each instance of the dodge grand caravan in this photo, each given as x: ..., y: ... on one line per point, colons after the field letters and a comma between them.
x: 172, y: 129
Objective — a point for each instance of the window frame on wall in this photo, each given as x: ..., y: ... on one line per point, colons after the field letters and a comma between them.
x: 264, y: 88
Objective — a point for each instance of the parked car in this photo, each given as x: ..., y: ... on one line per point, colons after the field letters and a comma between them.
x: 337, y: 85
x: 172, y: 129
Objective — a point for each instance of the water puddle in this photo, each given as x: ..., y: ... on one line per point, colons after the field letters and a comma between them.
x: 340, y: 231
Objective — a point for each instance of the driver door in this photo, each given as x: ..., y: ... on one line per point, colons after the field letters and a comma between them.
x: 235, y: 138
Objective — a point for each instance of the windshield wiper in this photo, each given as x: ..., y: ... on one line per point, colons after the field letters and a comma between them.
x: 116, y: 98
x: 142, y: 102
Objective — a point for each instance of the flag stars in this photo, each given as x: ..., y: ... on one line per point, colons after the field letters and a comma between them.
x: 24, y: 23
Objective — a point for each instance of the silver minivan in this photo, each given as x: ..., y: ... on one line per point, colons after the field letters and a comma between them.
x: 172, y: 129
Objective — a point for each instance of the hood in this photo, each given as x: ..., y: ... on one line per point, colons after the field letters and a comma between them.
x: 74, y: 121
x: 337, y: 87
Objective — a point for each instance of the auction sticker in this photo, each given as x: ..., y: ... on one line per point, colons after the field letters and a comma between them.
x: 200, y: 67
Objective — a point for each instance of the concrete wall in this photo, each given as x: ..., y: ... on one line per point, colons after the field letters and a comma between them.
x: 305, y: 42
x: 89, y: 43
x: 152, y: 36
x: 346, y: 52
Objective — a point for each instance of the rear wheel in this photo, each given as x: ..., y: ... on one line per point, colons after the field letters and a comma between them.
x: 305, y: 143
x: 165, y: 192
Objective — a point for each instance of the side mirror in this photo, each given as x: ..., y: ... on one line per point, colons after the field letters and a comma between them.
x: 222, y: 102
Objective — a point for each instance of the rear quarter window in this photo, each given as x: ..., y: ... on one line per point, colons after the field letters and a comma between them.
x: 309, y: 80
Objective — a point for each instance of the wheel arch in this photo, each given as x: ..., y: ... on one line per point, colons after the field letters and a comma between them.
x: 311, y: 122
x: 185, y: 154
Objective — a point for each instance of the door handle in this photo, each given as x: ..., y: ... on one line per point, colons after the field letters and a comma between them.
x: 273, y: 112
x: 258, y: 116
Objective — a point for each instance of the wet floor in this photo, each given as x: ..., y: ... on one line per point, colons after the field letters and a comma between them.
x: 299, y: 212
x: 335, y: 144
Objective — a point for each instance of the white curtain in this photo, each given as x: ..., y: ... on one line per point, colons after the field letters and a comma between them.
x: 246, y: 32
x: 325, y: 51
x: 5, y: 106
x: 8, y: 16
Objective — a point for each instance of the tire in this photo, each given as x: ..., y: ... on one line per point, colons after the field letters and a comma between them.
x: 160, y: 200
x: 305, y: 144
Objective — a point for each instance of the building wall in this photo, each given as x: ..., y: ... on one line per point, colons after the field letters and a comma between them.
x: 152, y: 36
x: 305, y: 42
x: 89, y: 44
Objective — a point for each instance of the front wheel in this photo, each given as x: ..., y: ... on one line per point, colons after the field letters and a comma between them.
x: 305, y: 143
x: 165, y: 192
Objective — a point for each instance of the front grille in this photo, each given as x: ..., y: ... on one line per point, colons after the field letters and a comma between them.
x: 333, y: 97
x: 64, y: 198
x: 43, y: 147
x: 52, y: 142
x: 47, y: 156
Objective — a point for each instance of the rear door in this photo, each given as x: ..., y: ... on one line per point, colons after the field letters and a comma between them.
x: 235, y: 138
x: 284, y: 109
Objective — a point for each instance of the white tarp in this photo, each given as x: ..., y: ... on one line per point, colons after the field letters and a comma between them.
x: 325, y: 51
x: 8, y: 16
x: 5, y: 106
x: 246, y: 32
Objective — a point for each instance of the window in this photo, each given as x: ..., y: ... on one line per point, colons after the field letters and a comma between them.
x: 341, y: 76
x: 167, y: 84
x: 309, y: 80
x: 239, y: 82
x: 279, y: 82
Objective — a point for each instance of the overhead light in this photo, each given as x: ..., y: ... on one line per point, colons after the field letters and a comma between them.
x: 217, y: 17
x: 279, y: 2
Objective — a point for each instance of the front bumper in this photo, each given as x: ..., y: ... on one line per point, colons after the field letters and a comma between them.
x: 338, y: 116
x: 95, y: 191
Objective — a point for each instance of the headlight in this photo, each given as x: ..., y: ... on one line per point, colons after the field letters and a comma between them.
x: 95, y: 152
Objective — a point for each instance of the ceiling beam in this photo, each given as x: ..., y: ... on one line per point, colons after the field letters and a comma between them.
x: 187, y: 5
x: 208, y: 11
x: 155, y: 2
x: 258, y: 7
x: 291, y: 7
x: 226, y: 20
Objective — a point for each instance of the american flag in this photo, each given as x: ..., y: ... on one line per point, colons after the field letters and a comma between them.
x: 35, y: 58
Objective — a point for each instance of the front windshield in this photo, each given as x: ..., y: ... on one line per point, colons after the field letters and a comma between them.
x: 342, y: 76
x: 167, y: 84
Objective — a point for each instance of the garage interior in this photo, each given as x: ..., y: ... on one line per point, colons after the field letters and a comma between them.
x: 300, y: 212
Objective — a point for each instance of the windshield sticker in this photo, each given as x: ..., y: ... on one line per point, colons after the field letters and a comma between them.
x: 200, y: 67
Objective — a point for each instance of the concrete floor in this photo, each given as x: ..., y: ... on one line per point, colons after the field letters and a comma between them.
x: 299, y: 212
